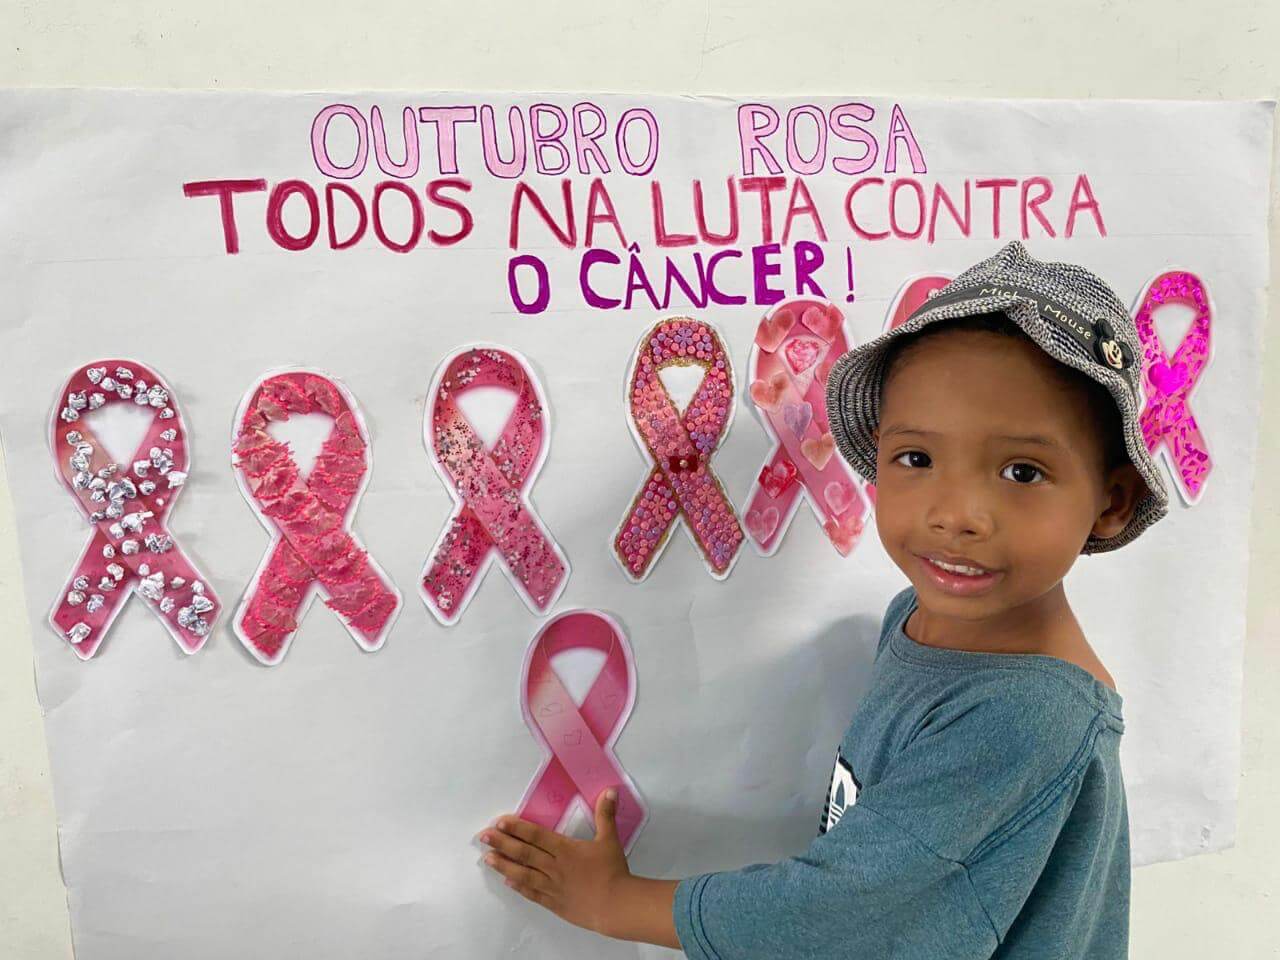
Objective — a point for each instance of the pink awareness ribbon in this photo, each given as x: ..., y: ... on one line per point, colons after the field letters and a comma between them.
x: 1168, y: 425
x: 579, y: 740
x: 131, y: 549
x: 492, y: 516
x: 681, y: 485
x: 794, y: 348
x: 910, y: 297
x: 309, y: 516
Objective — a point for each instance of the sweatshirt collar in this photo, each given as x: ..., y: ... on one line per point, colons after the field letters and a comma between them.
x: 1089, y: 685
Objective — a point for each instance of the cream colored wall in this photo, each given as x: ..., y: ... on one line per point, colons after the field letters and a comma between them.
x: 1218, y: 905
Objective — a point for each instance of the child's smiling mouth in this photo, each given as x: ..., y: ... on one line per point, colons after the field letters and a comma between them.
x: 958, y: 579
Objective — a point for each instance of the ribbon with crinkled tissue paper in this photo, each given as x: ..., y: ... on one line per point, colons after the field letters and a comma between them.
x: 309, y: 517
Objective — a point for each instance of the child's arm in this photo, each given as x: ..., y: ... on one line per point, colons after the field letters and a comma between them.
x: 866, y: 885
x: 935, y: 859
x: 586, y: 882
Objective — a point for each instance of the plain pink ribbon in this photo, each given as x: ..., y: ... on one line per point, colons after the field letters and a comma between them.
x: 131, y: 549
x: 579, y: 739
x: 310, y: 517
x: 1166, y: 418
x: 491, y: 486
x: 794, y: 348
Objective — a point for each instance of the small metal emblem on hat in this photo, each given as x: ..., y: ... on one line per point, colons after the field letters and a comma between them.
x: 1114, y: 353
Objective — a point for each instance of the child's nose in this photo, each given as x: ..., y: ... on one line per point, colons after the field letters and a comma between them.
x: 958, y: 509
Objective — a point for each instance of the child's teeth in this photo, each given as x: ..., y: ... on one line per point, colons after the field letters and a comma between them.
x: 956, y: 568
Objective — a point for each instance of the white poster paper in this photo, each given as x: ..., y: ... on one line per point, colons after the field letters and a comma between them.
x: 322, y: 803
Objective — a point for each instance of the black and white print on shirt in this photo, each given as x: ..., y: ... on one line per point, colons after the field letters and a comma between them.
x: 842, y: 794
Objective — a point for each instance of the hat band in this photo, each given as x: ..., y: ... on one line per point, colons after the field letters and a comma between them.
x: 1056, y: 312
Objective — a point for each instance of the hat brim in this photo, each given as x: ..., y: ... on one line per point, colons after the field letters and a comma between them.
x: 853, y: 395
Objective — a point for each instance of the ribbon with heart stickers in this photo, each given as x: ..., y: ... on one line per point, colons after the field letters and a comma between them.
x: 492, y: 517
x: 309, y: 517
x: 1168, y: 425
x: 579, y: 738
x: 681, y: 485
x: 131, y: 548
x: 794, y: 348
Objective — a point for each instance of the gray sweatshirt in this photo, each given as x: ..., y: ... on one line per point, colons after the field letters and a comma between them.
x: 976, y: 810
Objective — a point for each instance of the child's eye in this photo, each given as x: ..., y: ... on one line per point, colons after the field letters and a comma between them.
x: 1025, y: 467
x: 1025, y: 479
x: 912, y: 453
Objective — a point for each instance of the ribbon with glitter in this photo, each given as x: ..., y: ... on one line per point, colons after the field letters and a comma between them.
x: 313, y: 549
x: 681, y: 484
x: 492, y: 517
x: 131, y: 549
x: 1167, y: 423
x: 794, y: 348
x: 579, y: 739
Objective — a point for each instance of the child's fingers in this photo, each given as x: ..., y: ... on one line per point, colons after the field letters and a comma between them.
x: 540, y: 897
x: 606, y: 810
x: 518, y: 874
x: 540, y: 837
x: 518, y: 851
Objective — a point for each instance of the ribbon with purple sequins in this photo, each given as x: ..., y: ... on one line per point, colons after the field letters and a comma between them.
x: 1167, y: 422
x: 131, y: 549
x: 681, y: 485
x: 492, y: 516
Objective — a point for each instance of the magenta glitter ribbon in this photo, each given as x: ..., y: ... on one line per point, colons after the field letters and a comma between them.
x: 681, y: 484
x: 794, y: 348
x: 131, y: 549
x: 492, y: 517
x: 579, y: 739
x: 309, y: 518
x: 1166, y: 421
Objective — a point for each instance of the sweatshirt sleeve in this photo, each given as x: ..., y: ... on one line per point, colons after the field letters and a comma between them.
x: 890, y: 879
x: 865, y: 889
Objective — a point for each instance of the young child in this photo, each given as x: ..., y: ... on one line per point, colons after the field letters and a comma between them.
x: 976, y: 807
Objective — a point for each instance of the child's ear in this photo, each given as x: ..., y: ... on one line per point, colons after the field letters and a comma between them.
x: 1123, y: 489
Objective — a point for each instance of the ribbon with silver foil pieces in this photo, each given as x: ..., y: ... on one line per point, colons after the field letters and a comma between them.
x: 131, y: 549
x: 579, y: 738
x: 681, y: 485
x: 1166, y: 421
x: 313, y: 548
x: 492, y: 515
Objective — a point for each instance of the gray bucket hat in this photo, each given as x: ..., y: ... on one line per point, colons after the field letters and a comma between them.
x: 1069, y: 312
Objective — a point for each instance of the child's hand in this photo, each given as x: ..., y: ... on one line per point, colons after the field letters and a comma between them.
x: 578, y: 880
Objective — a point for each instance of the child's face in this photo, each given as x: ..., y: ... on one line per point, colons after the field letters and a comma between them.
x: 951, y: 481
